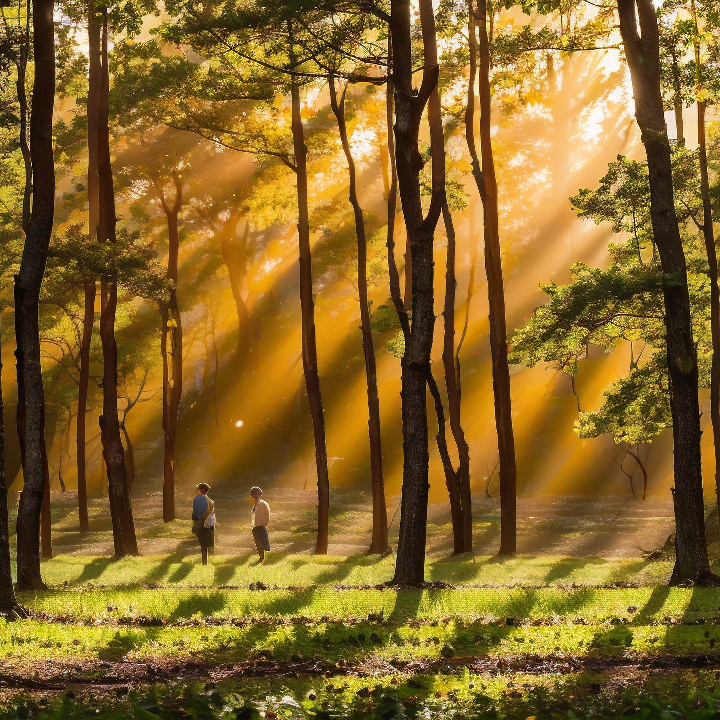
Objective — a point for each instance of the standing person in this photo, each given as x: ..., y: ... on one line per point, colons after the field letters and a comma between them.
x: 203, y: 515
x: 260, y: 519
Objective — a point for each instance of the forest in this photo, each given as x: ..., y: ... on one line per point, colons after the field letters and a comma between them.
x: 360, y: 359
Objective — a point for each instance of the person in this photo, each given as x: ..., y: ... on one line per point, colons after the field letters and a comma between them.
x: 260, y: 519
x: 203, y: 515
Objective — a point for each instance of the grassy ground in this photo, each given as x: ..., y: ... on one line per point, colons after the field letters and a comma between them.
x: 550, y: 637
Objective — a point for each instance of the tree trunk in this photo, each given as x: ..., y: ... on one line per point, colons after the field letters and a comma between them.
x: 379, y: 542
x: 120, y: 506
x: 129, y: 459
x: 487, y: 186
x: 8, y: 602
x: 89, y: 288
x: 46, y: 518
x: 642, y: 52
x: 27, y: 295
x: 172, y: 370
x: 88, y: 322
x: 677, y: 100
x: 410, y: 565
x: 463, y: 533
x: 307, y: 310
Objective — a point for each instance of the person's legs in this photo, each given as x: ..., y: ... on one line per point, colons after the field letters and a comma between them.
x: 204, y: 553
x: 258, y: 537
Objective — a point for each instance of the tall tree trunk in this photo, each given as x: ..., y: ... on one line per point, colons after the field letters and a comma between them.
x: 642, y: 52
x: 46, y: 518
x: 172, y: 368
x: 379, y: 542
x: 710, y: 249
x: 463, y: 533
x: 307, y: 310
x: 120, y: 506
x: 27, y: 296
x: 487, y: 187
x: 89, y: 287
x: 8, y: 603
x: 677, y: 99
x: 410, y: 565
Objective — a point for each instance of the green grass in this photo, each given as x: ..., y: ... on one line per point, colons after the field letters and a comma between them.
x: 184, y: 569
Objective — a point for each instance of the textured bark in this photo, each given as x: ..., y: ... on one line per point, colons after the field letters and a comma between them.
x: 172, y: 365
x: 642, y: 52
x: 129, y: 458
x: 462, y: 525
x: 487, y: 187
x: 410, y: 565
x: 27, y: 294
x: 89, y: 288
x: 8, y: 602
x: 46, y: 518
x: 379, y: 541
x: 124, y: 539
x: 307, y: 311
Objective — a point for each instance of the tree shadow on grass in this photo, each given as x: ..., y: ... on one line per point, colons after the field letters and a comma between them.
x: 225, y: 571
x: 206, y: 604
x: 94, y: 569
x: 180, y: 573
x: 564, y: 567
x: 161, y: 569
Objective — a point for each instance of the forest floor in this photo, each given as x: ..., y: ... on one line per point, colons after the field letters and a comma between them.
x: 579, y: 625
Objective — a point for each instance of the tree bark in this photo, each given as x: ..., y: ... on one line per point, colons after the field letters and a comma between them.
x: 46, y: 518
x: 27, y: 295
x: 172, y: 369
x: 89, y: 288
x: 410, y: 564
x: 307, y: 310
x: 124, y: 539
x: 8, y: 602
x: 487, y: 187
x: 379, y: 541
x: 462, y: 534
x: 129, y: 458
x: 642, y: 52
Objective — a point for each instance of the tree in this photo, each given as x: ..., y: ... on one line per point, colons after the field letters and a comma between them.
x: 379, y: 542
x: 27, y: 295
x: 124, y: 538
x: 642, y: 53
x: 409, y: 107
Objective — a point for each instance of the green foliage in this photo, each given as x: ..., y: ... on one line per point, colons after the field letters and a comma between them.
x: 624, y: 303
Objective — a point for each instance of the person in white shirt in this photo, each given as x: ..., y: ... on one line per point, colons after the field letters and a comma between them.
x: 260, y: 518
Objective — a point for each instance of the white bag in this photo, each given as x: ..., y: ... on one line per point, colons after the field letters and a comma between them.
x: 210, y: 520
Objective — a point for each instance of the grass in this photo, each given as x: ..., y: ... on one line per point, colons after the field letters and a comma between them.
x: 183, y: 568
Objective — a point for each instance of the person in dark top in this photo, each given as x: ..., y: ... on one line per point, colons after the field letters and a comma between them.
x: 260, y: 517
x: 203, y: 515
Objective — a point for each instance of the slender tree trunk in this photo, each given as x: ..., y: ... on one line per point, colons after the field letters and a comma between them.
x: 8, y: 603
x: 410, y: 565
x: 487, y: 187
x: 27, y: 294
x: 172, y: 368
x: 677, y: 100
x: 394, y: 275
x: 23, y: 138
x: 89, y: 287
x: 120, y: 506
x: 643, y: 57
x: 46, y: 519
x: 307, y: 310
x: 463, y: 533
x: 379, y: 542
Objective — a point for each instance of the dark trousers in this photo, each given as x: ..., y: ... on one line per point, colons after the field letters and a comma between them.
x: 206, y: 538
x: 262, y: 540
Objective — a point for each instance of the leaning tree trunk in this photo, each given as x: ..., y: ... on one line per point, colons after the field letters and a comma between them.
x: 27, y: 296
x: 487, y: 187
x: 307, y: 310
x: 410, y: 564
x: 379, y: 541
x: 172, y: 366
x: 120, y: 506
x: 129, y: 458
x: 89, y: 287
x: 642, y: 52
x: 8, y: 603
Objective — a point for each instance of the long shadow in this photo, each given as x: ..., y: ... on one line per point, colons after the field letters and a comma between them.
x: 566, y: 566
x: 206, y: 604
x: 183, y: 571
x: 225, y: 571
x: 160, y: 570
x: 94, y: 569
